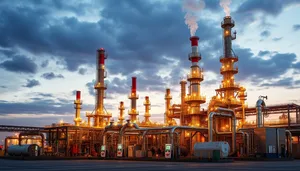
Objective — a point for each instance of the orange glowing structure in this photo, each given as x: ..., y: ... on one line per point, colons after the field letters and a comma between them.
x: 194, y: 98
x: 77, y: 106
x: 147, y: 115
x: 133, y: 97
x: 101, y: 118
x: 230, y: 94
x: 121, y: 108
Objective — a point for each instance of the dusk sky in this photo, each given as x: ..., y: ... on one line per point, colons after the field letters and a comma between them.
x: 48, y: 50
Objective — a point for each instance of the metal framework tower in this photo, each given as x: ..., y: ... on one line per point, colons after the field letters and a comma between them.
x: 77, y: 106
x: 194, y: 98
x: 147, y: 115
x: 228, y: 90
x: 121, y: 108
x: 168, y: 99
x: 133, y: 97
x: 183, y: 104
x: 101, y: 118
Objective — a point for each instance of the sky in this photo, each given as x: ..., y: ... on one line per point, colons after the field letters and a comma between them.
x: 48, y: 50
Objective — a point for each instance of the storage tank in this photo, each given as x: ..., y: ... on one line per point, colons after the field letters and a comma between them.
x: 23, y: 150
x: 211, y: 149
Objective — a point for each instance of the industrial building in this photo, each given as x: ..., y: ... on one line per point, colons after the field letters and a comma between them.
x: 224, y: 121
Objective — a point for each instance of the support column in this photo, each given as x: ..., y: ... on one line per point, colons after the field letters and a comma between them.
x: 289, y: 117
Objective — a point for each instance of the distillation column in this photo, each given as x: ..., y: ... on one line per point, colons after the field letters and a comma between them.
x: 121, y: 108
x: 228, y: 91
x: 168, y: 99
x: 228, y: 87
x: 183, y: 105
x: 133, y: 97
x: 77, y: 106
x: 147, y: 105
x: 194, y: 98
x: 100, y: 86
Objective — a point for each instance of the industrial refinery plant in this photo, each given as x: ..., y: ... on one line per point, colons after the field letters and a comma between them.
x: 221, y: 131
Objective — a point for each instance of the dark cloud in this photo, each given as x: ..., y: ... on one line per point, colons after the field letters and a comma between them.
x: 45, y: 94
x: 19, y: 64
x: 51, y: 75
x: 248, y: 11
x: 118, y: 25
x: 90, y: 86
x: 254, y: 67
x: 31, y: 83
x: 285, y: 82
x: 263, y: 53
x: 273, y: 7
x: 39, y: 106
x: 3, y: 86
x: 45, y: 64
x: 265, y: 34
x: 296, y: 27
x: 82, y: 71
x: 277, y: 39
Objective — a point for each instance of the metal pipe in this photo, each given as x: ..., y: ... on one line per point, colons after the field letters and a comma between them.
x: 259, y: 115
x: 122, y: 131
x: 277, y: 140
x: 247, y: 143
x: 183, y: 94
x: 229, y: 114
x: 243, y: 137
x: 290, y: 141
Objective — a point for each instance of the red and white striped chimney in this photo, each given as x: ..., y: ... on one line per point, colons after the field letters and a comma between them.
x: 194, y: 56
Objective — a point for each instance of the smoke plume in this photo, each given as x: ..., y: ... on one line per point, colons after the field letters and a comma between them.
x: 191, y: 7
x: 225, y: 4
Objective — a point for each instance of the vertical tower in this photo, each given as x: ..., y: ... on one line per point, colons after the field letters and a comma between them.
x: 89, y: 116
x: 147, y: 109
x: 228, y: 88
x: 133, y: 97
x: 168, y: 99
x: 183, y: 105
x: 243, y: 97
x: 100, y: 115
x: 77, y: 106
x: 194, y: 98
x: 121, y: 108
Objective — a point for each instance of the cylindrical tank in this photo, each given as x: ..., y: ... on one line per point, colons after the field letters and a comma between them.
x: 205, y: 149
x: 23, y: 150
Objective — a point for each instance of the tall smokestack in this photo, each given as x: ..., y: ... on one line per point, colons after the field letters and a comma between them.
x: 133, y: 97
x: 121, y: 108
x: 168, y: 99
x: 77, y: 106
x: 133, y: 89
x: 100, y: 118
x: 147, y: 109
x: 183, y: 94
x: 227, y: 25
x: 195, y: 77
x: 194, y: 56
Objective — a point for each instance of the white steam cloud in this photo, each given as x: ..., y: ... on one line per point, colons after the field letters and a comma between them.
x: 191, y: 7
x: 225, y: 4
